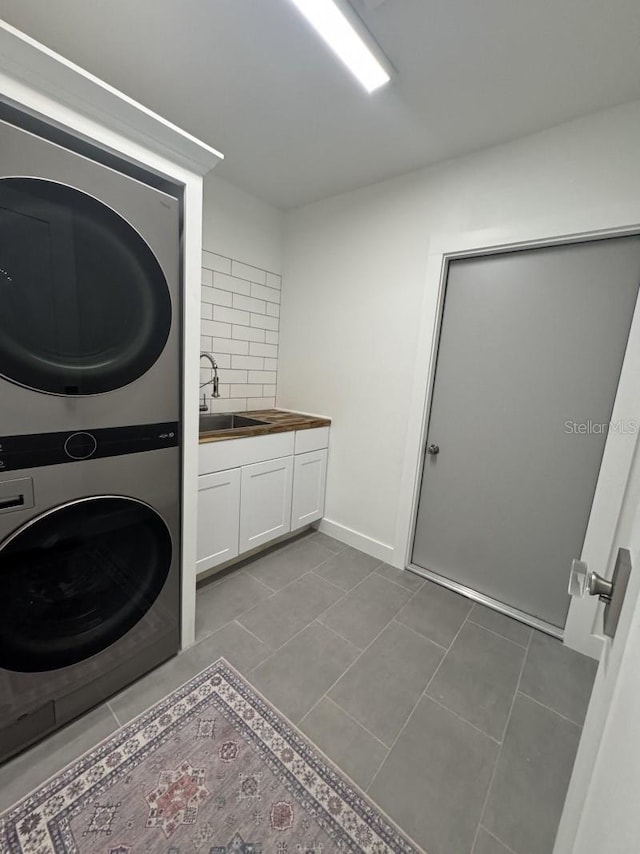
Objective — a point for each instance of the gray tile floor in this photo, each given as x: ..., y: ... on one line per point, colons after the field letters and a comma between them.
x: 461, y: 723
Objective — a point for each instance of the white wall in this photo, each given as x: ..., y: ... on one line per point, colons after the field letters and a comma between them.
x: 354, y: 278
x: 240, y: 308
x: 241, y: 226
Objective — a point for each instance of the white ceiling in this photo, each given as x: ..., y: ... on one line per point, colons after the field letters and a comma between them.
x: 251, y: 78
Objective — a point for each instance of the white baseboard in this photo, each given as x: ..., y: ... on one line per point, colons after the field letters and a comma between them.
x: 357, y: 540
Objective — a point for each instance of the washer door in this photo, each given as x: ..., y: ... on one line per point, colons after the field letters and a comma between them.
x: 84, y: 304
x: 77, y: 578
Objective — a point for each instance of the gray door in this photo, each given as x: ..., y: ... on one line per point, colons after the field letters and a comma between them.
x: 530, y: 353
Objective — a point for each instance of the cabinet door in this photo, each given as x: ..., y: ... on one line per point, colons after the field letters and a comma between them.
x: 309, y: 481
x: 218, y: 517
x: 265, y: 511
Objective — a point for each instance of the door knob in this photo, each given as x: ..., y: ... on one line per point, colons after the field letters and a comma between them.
x: 599, y: 586
x: 433, y: 450
x: 582, y: 582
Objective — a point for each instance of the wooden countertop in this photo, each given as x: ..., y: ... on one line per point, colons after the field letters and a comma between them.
x: 278, y: 421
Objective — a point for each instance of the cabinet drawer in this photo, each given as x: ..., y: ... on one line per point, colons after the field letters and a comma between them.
x: 311, y: 440
x: 309, y: 483
x: 227, y: 454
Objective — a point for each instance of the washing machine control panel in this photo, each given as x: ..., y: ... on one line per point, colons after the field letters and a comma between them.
x: 50, y: 449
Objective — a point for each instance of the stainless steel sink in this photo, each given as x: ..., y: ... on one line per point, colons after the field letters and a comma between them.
x: 227, y: 421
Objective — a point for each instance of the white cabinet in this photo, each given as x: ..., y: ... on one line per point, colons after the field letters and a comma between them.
x: 253, y: 490
x: 265, y: 509
x: 218, y: 517
x: 309, y: 481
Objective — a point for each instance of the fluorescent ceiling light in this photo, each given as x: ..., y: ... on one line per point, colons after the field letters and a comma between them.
x: 341, y: 36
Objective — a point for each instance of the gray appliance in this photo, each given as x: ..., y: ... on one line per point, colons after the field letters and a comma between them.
x: 90, y: 489
x: 89, y: 570
x: 89, y: 292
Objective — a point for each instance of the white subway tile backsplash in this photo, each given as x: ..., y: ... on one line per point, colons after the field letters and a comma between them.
x: 262, y: 377
x: 213, y: 261
x: 232, y: 376
x: 245, y: 390
x: 268, y: 294
x: 230, y: 345
x: 214, y: 328
x: 248, y: 333
x: 249, y: 304
x: 215, y: 296
x: 261, y: 402
x: 269, y: 350
x: 229, y: 283
x: 231, y: 315
x: 240, y: 321
x: 251, y: 363
x: 246, y: 271
x: 220, y: 297
x: 228, y: 404
x: 223, y: 360
x: 261, y: 321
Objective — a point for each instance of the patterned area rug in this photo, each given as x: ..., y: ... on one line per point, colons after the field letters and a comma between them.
x: 211, y: 769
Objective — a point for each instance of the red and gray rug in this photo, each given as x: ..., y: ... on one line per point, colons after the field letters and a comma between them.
x: 211, y: 769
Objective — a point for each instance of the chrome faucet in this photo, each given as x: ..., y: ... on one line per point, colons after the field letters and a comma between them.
x: 214, y: 381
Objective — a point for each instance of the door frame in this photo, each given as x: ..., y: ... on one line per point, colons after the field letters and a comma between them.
x: 583, y: 628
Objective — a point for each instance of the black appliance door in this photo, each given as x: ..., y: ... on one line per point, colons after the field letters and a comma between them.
x: 77, y: 578
x: 84, y: 304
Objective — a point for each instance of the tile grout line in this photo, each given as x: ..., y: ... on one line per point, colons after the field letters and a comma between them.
x: 245, y: 629
x: 110, y: 707
x: 550, y: 709
x: 316, y: 618
x: 464, y: 720
x: 359, y: 656
x: 444, y: 705
x: 497, y: 839
x: 273, y: 593
x: 416, y: 632
x: 498, y: 635
x: 422, y: 695
x: 238, y: 261
x: 348, y: 593
x: 332, y: 583
x: 368, y: 575
x: 397, y: 583
x: 347, y: 714
x: 293, y: 637
x: 336, y: 632
x: 500, y: 749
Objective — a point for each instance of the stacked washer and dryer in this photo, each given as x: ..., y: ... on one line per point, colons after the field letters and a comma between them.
x: 89, y: 433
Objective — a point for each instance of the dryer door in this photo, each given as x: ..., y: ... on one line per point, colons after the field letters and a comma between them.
x: 84, y: 304
x: 77, y: 578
